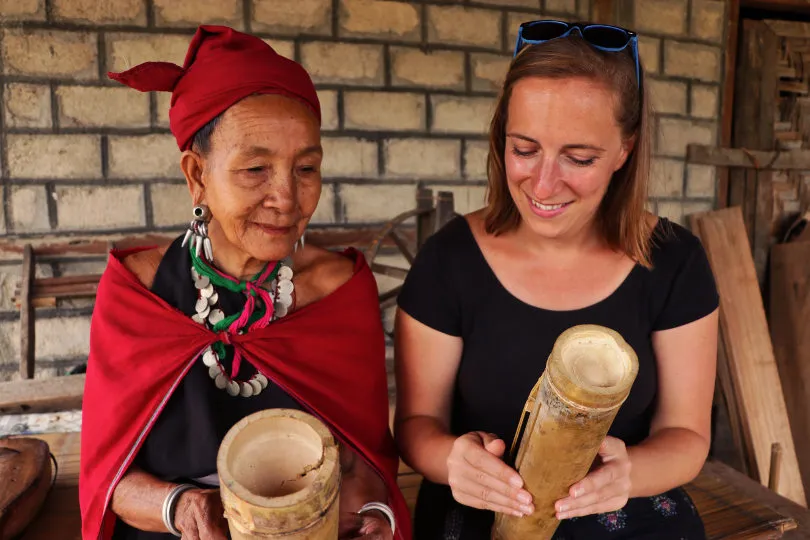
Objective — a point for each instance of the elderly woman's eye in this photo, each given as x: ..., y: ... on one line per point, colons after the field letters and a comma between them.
x: 256, y: 169
x: 308, y: 169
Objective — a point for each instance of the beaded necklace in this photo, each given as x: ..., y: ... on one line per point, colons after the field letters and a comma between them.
x: 269, y: 297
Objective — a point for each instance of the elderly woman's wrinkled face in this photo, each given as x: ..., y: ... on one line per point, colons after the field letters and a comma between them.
x: 261, y: 177
x: 563, y: 144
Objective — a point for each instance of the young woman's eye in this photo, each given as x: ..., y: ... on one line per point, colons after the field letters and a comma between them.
x: 582, y: 162
x: 521, y: 153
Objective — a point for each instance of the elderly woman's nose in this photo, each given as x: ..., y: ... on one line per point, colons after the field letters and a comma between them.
x: 281, y: 193
x: 546, y: 178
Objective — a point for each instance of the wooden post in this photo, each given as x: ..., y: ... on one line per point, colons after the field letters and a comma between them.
x: 755, y: 98
x: 424, y: 222
x: 444, y: 209
x: 776, y: 467
x: 27, y: 332
x: 732, y: 35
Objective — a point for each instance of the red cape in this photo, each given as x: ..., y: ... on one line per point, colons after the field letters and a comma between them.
x: 329, y: 355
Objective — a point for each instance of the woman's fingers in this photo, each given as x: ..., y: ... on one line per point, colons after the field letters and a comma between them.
x: 489, y: 493
x: 199, y: 515
x: 606, y: 488
x: 479, y: 478
x: 608, y: 505
x: 478, y: 457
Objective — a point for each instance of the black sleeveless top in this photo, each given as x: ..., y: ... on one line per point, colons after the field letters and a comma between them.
x: 184, y: 441
x: 452, y: 289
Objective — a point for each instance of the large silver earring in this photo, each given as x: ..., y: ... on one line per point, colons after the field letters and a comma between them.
x: 198, y: 232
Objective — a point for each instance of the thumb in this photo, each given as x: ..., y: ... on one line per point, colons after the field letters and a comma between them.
x: 493, y: 444
x: 611, y: 449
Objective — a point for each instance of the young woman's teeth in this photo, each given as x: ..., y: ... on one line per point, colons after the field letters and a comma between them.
x: 547, y: 207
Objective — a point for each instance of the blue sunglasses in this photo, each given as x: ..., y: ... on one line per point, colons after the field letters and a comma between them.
x: 601, y: 36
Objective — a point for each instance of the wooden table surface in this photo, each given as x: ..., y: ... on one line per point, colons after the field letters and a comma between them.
x: 60, y: 518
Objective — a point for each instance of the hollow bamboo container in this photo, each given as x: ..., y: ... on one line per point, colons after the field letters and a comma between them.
x: 587, y: 377
x: 279, y: 473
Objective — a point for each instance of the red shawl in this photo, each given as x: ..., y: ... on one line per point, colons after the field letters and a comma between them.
x: 329, y: 355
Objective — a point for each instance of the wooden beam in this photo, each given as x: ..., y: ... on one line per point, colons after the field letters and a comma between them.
x: 793, y: 7
x: 787, y: 160
x: 744, y: 332
x: 789, y: 29
x: 61, y: 246
x: 42, y: 395
x: 27, y: 320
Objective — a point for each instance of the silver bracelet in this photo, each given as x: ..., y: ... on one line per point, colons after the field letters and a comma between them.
x: 170, y: 504
x: 380, y: 507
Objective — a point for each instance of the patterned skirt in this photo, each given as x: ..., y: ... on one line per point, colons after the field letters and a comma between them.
x: 669, y: 516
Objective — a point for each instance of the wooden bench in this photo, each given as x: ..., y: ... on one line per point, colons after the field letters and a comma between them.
x: 733, y: 506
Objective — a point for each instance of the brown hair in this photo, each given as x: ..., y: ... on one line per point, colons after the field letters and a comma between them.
x: 622, y: 213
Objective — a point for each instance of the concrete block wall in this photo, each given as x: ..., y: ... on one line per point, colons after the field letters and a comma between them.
x: 407, y: 90
x: 682, y: 45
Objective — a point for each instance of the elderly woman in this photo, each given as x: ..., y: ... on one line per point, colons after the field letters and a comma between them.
x: 236, y: 316
x: 564, y: 240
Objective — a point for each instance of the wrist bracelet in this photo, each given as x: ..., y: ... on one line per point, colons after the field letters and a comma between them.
x: 380, y: 507
x: 170, y: 504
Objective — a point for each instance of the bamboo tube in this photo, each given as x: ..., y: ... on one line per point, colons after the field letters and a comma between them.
x: 570, y: 410
x: 279, y: 474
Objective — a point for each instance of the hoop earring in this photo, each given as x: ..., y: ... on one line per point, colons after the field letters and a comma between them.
x: 198, y: 232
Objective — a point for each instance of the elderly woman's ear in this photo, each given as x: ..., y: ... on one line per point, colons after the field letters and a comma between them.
x: 193, y: 168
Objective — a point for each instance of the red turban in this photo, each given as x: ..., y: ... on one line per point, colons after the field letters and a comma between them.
x: 222, y: 67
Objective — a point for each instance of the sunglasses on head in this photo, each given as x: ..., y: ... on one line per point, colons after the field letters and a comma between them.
x: 601, y: 36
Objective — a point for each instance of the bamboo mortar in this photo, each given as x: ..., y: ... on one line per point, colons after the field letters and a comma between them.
x: 279, y: 473
x: 587, y: 377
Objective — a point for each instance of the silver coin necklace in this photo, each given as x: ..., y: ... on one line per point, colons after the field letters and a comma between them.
x: 208, y: 312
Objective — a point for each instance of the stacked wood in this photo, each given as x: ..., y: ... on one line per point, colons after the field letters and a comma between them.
x: 751, y: 366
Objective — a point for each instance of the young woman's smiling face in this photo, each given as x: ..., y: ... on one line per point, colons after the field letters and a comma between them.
x: 563, y: 145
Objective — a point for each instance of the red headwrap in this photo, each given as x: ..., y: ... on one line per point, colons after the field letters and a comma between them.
x: 222, y: 66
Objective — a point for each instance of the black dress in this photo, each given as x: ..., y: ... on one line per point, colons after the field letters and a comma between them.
x: 182, y: 446
x: 452, y: 289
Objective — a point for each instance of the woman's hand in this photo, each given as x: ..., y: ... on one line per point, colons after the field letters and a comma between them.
x: 366, y: 526
x: 199, y: 515
x: 479, y: 478
x: 605, y: 489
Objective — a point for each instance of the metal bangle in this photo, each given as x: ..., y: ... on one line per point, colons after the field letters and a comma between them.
x: 170, y: 504
x: 380, y: 507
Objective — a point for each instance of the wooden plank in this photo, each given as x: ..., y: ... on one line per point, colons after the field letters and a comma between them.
x: 42, y: 395
x: 736, y: 422
x: 27, y: 327
x: 744, y: 331
x: 790, y: 331
x: 788, y: 160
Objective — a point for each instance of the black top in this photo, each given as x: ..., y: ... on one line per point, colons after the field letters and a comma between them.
x: 183, y: 444
x: 452, y: 289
